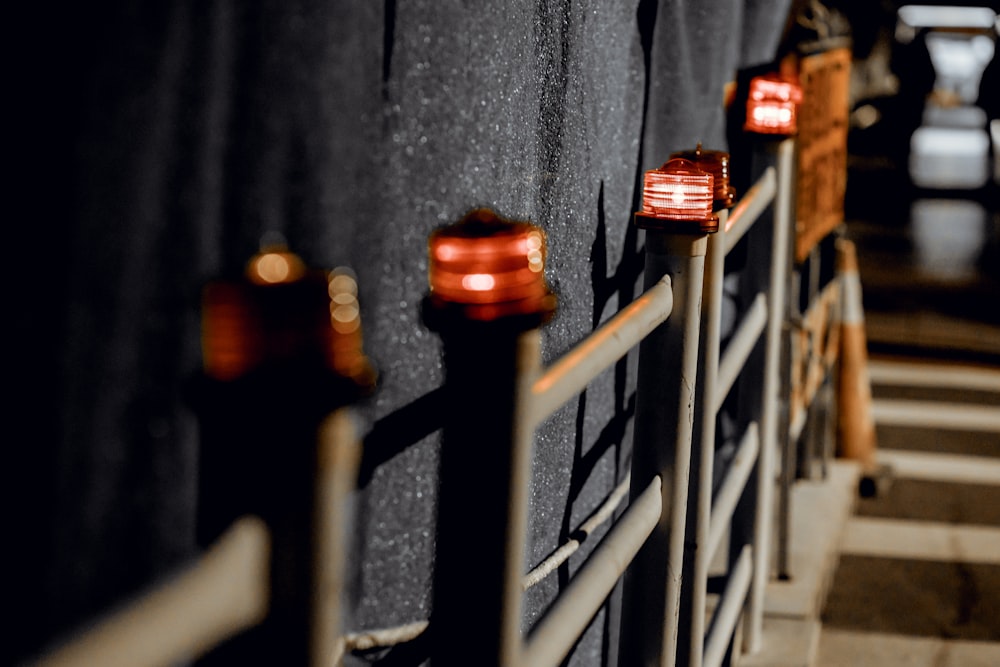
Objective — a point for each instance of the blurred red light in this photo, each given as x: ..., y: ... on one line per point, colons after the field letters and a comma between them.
x: 678, y: 192
x: 491, y: 265
x: 772, y: 105
x: 280, y: 312
x: 230, y: 336
x: 717, y: 164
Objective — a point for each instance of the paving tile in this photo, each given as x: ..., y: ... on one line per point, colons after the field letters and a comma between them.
x: 842, y: 648
x: 921, y: 540
x: 915, y: 597
x: 936, y: 501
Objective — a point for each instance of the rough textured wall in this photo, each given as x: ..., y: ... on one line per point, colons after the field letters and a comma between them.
x: 162, y: 143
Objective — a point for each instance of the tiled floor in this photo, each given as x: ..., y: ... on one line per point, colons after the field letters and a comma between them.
x: 918, y: 576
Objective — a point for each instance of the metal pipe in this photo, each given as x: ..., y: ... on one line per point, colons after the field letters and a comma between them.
x: 695, y: 577
x: 223, y: 593
x: 751, y: 206
x: 574, y: 370
x: 780, y: 257
x: 739, y: 348
x: 728, y: 612
x: 338, y: 458
x: 732, y: 488
x: 664, y: 418
x: 555, y: 634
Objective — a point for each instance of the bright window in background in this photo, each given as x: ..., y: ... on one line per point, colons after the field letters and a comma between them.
x: 938, y: 16
x: 961, y: 42
x: 959, y: 61
x: 948, y: 237
x: 945, y: 157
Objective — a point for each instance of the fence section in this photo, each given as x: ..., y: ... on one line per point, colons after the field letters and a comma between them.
x: 662, y: 546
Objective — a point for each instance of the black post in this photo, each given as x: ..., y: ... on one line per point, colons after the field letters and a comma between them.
x: 277, y: 364
x: 491, y: 356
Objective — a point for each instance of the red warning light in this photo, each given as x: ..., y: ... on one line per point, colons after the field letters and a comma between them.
x: 678, y: 196
x: 772, y: 105
x: 490, y: 266
x: 231, y: 339
x: 717, y: 164
x: 280, y: 312
x: 344, y: 352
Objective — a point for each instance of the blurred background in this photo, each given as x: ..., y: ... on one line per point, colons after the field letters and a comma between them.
x: 922, y: 184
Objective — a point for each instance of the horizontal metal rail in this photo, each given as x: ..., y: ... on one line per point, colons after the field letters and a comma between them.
x: 739, y: 348
x: 555, y: 634
x: 732, y: 487
x: 749, y: 209
x: 607, y: 344
x: 226, y: 591
x: 728, y: 612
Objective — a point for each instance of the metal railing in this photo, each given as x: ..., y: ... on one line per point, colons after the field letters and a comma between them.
x: 228, y: 589
x: 662, y: 544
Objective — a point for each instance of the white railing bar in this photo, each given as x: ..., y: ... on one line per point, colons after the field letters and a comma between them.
x: 562, y: 554
x: 732, y: 487
x: 728, y: 612
x: 739, y: 348
x: 607, y: 344
x: 554, y: 635
x: 751, y: 205
x: 224, y: 592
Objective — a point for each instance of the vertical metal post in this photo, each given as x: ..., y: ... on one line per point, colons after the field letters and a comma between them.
x: 337, y: 460
x: 768, y: 267
x: 787, y: 445
x: 695, y: 568
x: 664, y: 421
x: 484, y: 475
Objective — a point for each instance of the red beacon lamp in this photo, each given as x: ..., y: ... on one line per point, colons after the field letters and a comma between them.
x: 485, y: 267
x: 279, y: 312
x: 717, y: 164
x: 772, y: 105
x: 679, y: 197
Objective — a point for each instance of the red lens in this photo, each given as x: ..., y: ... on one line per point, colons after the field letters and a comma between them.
x: 717, y: 164
x: 772, y: 105
x: 487, y: 260
x: 678, y: 190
